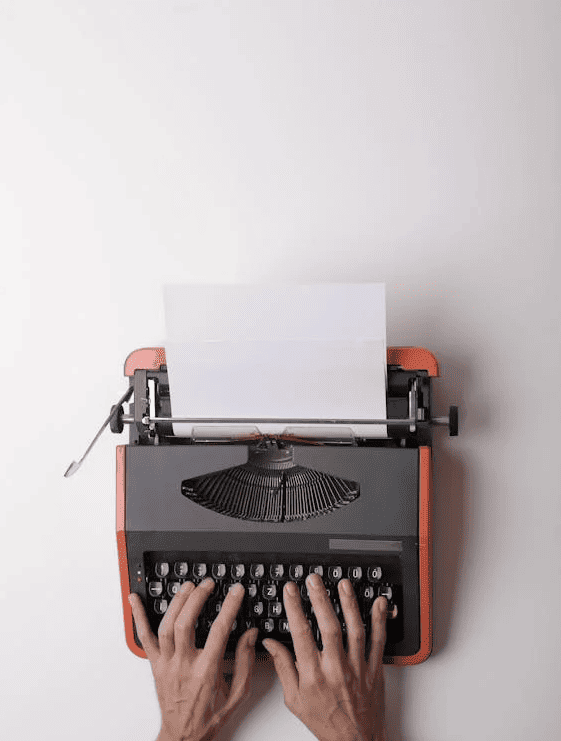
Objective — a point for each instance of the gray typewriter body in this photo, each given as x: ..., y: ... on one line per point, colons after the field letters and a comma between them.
x: 378, y: 528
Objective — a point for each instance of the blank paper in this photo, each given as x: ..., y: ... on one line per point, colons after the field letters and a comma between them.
x: 277, y: 351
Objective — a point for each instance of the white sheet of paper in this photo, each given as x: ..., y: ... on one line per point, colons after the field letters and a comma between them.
x: 277, y: 351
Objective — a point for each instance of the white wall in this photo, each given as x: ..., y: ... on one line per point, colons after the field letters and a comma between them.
x: 148, y: 142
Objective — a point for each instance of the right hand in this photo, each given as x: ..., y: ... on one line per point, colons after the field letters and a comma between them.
x: 337, y: 695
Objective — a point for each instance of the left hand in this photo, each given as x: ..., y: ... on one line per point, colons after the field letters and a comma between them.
x: 192, y: 691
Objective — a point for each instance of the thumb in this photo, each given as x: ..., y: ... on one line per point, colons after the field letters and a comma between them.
x: 284, y: 665
x: 243, y: 669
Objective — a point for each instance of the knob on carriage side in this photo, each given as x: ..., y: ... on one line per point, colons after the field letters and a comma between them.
x: 453, y: 421
x: 116, y: 424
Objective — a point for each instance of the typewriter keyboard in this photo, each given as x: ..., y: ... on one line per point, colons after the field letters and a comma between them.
x: 263, y: 579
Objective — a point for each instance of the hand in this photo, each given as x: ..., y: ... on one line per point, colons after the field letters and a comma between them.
x: 192, y: 692
x: 336, y: 695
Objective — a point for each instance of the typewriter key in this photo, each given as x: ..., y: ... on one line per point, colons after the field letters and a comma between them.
x: 374, y: 573
x: 269, y: 591
x: 275, y: 609
x: 199, y: 570
x: 296, y: 571
x: 181, y: 569
x: 268, y: 625
x: 237, y: 571
x: 252, y: 590
x: 316, y: 570
x: 335, y: 574
x: 160, y: 606
x: 173, y: 588
x: 218, y: 570
x: 248, y: 624
x: 385, y: 591
x: 162, y: 569
x: 155, y: 588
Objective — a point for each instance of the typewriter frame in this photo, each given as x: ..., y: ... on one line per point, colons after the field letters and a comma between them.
x: 152, y: 361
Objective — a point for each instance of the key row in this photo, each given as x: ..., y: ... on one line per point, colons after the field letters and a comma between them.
x: 270, y: 591
x: 258, y: 609
x: 275, y: 571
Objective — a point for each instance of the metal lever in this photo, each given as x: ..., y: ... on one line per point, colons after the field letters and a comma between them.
x: 73, y: 467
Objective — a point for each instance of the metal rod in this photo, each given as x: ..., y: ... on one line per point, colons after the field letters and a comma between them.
x: 129, y: 419
x: 440, y: 420
x: 200, y: 420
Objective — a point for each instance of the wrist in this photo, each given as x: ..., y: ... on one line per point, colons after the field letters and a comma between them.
x: 164, y: 736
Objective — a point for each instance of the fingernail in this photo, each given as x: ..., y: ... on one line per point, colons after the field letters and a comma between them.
x: 382, y: 606
x: 130, y: 599
x: 253, y: 638
x: 313, y: 581
x: 291, y: 588
x: 268, y: 647
x: 347, y: 588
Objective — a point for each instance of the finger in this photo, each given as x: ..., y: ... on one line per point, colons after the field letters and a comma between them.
x: 243, y: 670
x: 381, y: 688
x: 356, y: 633
x: 222, y: 626
x: 327, y: 620
x: 143, y: 630
x: 284, y: 667
x: 166, y: 629
x: 305, y: 647
x: 184, y: 627
x: 379, y: 610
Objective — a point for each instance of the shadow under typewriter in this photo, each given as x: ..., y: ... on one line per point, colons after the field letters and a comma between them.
x: 270, y: 487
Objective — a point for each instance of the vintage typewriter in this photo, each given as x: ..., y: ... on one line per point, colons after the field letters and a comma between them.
x: 260, y: 509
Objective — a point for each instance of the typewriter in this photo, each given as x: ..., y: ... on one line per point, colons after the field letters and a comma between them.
x: 262, y: 509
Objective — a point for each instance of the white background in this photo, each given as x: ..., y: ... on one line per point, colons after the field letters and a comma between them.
x: 154, y: 141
